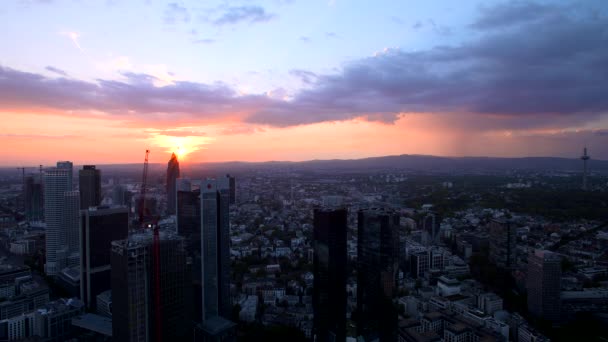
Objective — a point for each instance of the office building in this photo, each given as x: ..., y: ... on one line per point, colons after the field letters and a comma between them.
x: 99, y: 226
x: 34, y: 200
x: 378, y: 256
x: 419, y: 264
x: 503, y: 243
x: 172, y: 176
x: 188, y: 213
x: 232, y: 184
x: 72, y: 227
x: 329, y: 266
x: 61, y: 217
x: 69, y: 168
x: 544, y: 284
x: 89, y: 180
x: 134, y: 291
x: 215, y: 263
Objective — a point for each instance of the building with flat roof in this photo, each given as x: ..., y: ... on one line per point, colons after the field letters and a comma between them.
x: 134, y: 293
x: 329, y: 268
x: 544, y: 285
x: 99, y: 226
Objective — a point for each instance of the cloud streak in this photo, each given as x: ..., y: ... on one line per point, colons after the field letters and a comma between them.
x: 247, y: 14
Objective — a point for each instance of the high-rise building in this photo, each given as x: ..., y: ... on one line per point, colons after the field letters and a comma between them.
x: 544, y: 285
x: 34, y: 199
x: 69, y: 167
x: 329, y: 290
x: 57, y: 183
x: 377, y: 259
x: 99, y: 226
x: 89, y: 179
x: 134, y: 292
x: 503, y: 243
x: 232, y: 181
x: 188, y: 213
x: 215, y: 255
x: 172, y: 176
x: 71, y: 226
x: 430, y: 224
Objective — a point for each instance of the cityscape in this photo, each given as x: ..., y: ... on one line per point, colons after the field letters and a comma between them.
x: 288, y: 170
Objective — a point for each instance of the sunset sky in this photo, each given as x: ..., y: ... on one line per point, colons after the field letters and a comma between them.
x: 102, y: 81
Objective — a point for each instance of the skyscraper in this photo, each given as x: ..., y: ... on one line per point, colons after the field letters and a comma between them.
x: 232, y: 181
x: 329, y: 262
x: 34, y: 199
x: 56, y: 183
x: 134, y: 291
x: 71, y: 224
x: 188, y: 208
x: 377, y: 259
x: 503, y: 243
x: 89, y: 179
x: 215, y: 253
x: 69, y: 167
x: 99, y: 226
x: 172, y: 176
x: 544, y: 284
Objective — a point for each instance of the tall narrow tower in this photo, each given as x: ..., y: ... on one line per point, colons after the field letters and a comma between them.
x: 584, y: 158
x: 172, y: 176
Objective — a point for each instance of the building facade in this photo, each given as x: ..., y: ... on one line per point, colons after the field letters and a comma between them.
x: 57, y: 183
x: 89, y: 181
x: 99, y: 226
x: 503, y: 243
x: 378, y: 257
x: 544, y: 285
x: 134, y: 293
x: 329, y: 268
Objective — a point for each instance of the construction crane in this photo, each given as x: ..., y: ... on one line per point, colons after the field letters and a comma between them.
x: 142, y: 193
x: 155, y: 249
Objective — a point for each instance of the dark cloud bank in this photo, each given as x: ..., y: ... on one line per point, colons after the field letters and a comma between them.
x: 533, y: 64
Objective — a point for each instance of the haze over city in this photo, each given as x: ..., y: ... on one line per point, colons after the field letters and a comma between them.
x: 100, y: 82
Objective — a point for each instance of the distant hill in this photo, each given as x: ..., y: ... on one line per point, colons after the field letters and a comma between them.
x: 425, y: 163
x: 400, y: 162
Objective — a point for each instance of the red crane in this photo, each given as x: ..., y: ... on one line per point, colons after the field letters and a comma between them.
x: 155, y: 250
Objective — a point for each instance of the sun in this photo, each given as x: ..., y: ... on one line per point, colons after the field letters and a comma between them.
x: 181, y: 152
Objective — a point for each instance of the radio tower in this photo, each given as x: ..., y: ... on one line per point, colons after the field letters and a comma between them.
x: 584, y: 158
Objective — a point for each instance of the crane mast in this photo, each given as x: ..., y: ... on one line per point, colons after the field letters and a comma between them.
x: 155, y: 249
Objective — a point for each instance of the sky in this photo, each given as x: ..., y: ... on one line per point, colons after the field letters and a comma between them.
x: 99, y: 82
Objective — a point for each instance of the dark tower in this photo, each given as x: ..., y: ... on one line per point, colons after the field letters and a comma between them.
x: 232, y: 182
x: 134, y: 289
x: 585, y: 157
x: 89, y: 180
x: 172, y: 176
x: 329, y: 291
x: 98, y: 228
x: 34, y: 201
x: 377, y: 259
x: 544, y: 285
x: 215, y: 259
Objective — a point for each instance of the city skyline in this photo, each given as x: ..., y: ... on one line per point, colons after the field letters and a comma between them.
x: 255, y: 81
